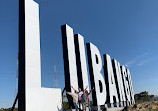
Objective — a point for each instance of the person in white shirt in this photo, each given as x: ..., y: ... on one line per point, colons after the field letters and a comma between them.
x: 75, y: 98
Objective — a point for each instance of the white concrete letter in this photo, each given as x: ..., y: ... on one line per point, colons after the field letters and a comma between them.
x: 125, y: 83
x: 97, y: 80
x: 31, y: 96
x: 69, y: 58
x: 118, y: 79
x: 110, y: 81
x: 81, y: 62
x: 130, y: 86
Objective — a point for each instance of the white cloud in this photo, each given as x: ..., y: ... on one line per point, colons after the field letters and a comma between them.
x: 150, y: 59
x: 135, y: 60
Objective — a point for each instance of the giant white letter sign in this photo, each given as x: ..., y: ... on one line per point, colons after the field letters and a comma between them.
x: 81, y: 62
x: 118, y: 80
x: 130, y: 86
x: 97, y: 80
x: 110, y: 81
x: 126, y: 85
x: 69, y: 58
x: 31, y: 97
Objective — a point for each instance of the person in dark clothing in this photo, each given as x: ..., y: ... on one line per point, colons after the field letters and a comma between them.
x: 84, y: 101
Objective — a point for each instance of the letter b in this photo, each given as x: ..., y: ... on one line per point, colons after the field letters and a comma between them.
x: 97, y: 80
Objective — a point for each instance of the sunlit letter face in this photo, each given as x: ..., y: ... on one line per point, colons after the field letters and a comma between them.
x: 110, y: 81
x: 31, y: 96
x: 125, y: 81
x: 130, y: 86
x: 81, y: 62
x: 69, y: 58
x: 97, y: 80
x: 118, y: 79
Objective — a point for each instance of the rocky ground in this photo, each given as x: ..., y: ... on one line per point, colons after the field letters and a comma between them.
x: 9, y: 109
x: 145, y: 106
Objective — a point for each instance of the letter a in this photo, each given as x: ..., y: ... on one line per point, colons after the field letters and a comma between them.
x: 110, y: 81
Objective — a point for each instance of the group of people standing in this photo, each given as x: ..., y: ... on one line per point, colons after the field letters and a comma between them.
x: 81, y: 98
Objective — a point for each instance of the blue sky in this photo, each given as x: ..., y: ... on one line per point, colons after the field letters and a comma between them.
x: 126, y: 30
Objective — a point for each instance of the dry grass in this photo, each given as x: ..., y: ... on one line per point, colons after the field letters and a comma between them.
x: 146, y: 106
